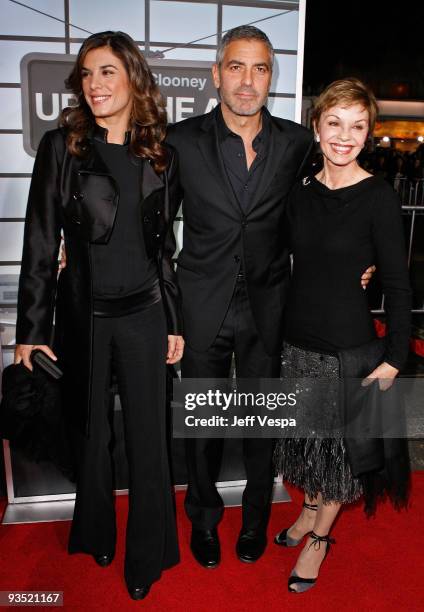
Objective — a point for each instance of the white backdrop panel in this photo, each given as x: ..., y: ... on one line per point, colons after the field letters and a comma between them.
x: 22, y: 21
x: 282, y: 107
x: 9, y: 270
x: 11, y: 236
x: 16, y: 160
x: 75, y: 47
x: 184, y: 22
x: 10, y: 109
x: 98, y: 15
x: 281, y: 28
x: 13, y: 196
x: 284, y: 74
x: 194, y: 55
x: 12, y: 51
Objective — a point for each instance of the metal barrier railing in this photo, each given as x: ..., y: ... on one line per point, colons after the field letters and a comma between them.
x: 411, y: 194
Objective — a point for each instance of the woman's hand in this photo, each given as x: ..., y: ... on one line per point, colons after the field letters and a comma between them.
x: 367, y: 275
x: 62, y: 256
x: 23, y: 353
x: 385, y: 374
x: 175, y: 349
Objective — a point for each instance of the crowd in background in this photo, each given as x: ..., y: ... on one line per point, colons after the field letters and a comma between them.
x: 404, y: 170
x: 398, y: 167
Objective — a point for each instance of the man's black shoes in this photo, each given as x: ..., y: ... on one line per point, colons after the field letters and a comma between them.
x: 103, y: 560
x: 250, y: 545
x: 139, y: 592
x: 205, y: 547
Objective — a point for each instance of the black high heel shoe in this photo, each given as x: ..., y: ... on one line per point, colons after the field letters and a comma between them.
x: 305, y: 584
x: 283, y: 539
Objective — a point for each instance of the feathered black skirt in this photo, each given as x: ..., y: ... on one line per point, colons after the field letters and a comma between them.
x: 316, y: 459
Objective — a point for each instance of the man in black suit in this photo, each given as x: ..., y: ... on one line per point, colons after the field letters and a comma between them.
x: 237, y: 165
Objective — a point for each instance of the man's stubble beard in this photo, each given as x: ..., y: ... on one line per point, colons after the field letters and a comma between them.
x: 240, y: 111
x: 243, y: 113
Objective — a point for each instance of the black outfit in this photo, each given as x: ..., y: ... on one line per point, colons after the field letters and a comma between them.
x: 316, y: 463
x: 244, y: 181
x: 335, y: 235
x: 233, y: 274
x: 121, y: 267
x: 79, y: 195
x: 134, y: 347
x: 238, y: 335
x: 128, y: 328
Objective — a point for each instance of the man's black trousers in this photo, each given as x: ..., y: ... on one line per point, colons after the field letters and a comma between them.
x: 238, y: 335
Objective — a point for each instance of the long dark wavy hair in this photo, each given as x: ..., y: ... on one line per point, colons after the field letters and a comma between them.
x: 148, y: 114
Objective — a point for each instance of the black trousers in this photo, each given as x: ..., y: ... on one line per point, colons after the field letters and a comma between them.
x: 135, y: 347
x: 238, y: 336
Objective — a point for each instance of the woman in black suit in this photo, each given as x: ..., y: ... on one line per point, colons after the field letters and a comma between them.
x: 106, y: 180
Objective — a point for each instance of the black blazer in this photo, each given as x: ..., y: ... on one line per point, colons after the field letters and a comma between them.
x: 80, y: 198
x: 218, y: 235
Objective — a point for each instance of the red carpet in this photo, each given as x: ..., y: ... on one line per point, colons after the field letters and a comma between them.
x: 416, y: 345
x: 377, y: 565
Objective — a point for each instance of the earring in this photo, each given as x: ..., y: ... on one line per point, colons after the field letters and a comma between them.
x: 317, y: 138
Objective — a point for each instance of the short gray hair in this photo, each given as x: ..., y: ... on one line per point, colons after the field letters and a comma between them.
x: 243, y: 32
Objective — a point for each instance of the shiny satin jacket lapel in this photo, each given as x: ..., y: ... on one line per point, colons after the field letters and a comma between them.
x: 209, y: 147
x: 95, y: 196
x: 150, y: 181
x: 94, y: 164
x: 278, y: 145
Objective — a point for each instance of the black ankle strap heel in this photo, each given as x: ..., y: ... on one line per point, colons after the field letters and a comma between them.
x: 310, y: 506
x: 283, y: 539
x: 304, y: 584
x: 318, y: 539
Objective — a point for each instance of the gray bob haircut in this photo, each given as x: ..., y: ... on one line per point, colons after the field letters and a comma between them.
x: 243, y: 32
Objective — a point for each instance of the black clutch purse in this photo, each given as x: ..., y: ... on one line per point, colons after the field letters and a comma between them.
x: 380, y: 461
x: 361, y: 407
x: 43, y: 361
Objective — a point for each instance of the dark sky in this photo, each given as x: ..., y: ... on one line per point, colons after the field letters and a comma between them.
x: 379, y: 41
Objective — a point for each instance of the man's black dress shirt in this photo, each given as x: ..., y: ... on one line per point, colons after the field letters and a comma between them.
x: 244, y: 181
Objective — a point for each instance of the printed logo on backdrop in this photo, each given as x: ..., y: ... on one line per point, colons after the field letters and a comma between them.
x: 187, y: 87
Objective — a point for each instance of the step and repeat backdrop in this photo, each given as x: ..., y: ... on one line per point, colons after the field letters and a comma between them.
x: 38, y: 43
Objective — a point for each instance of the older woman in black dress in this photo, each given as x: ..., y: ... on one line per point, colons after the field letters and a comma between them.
x: 341, y: 220
x: 107, y: 181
